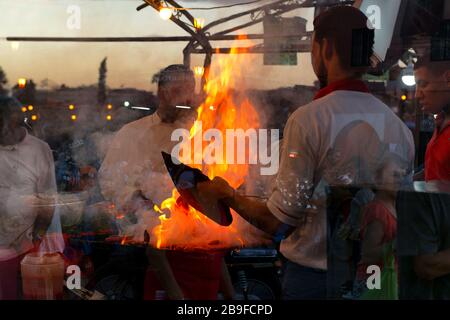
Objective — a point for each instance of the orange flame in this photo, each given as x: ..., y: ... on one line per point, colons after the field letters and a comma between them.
x: 184, y: 227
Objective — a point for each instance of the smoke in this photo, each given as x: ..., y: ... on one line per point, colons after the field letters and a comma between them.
x: 90, y: 144
x: 180, y: 228
x: 90, y: 138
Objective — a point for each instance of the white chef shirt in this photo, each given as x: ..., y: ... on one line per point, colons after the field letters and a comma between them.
x: 320, y: 150
x: 134, y: 161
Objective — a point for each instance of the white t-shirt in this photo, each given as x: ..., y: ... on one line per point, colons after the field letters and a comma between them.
x: 26, y: 169
x: 331, y: 141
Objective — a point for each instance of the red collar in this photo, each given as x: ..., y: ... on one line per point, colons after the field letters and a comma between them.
x: 346, y: 84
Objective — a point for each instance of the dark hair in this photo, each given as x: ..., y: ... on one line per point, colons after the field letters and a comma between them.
x: 347, y: 29
x: 175, y: 73
x: 8, y: 106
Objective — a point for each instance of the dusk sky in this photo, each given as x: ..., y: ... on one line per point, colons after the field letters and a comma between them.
x: 129, y: 64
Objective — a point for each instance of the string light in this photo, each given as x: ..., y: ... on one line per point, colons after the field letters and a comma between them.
x: 22, y: 82
x: 165, y: 13
x: 15, y: 45
x: 199, y: 23
x: 199, y: 71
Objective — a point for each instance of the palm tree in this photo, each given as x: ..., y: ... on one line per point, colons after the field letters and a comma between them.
x: 101, y: 95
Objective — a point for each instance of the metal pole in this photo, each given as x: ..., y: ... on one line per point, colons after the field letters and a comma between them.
x: 218, y: 37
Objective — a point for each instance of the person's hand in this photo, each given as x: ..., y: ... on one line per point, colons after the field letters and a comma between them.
x: 218, y: 188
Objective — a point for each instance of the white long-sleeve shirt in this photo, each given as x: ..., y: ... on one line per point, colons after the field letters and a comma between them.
x: 26, y: 169
x: 134, y: 161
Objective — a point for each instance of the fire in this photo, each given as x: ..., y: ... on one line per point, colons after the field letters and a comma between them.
x: 182, y: 226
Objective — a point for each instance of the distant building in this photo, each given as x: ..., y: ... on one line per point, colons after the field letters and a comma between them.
x: 69, y: 110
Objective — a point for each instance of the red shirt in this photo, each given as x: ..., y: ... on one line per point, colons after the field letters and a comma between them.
x: 197, y: 274
x: 377, y: 211
x: 437, y: 156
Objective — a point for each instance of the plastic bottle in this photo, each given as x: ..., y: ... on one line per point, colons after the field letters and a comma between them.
x: 42, y: 276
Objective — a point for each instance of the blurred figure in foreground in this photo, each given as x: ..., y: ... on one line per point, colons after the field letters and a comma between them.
x: 27, y: 188
x: 379, y: 230
x: 433, y: 94
x: 424, y: 213
x: 310, y: 161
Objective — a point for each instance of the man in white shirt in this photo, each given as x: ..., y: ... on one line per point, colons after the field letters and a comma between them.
x: 133, y: 168
x: 338, y: 139
x: 26, y: 171
x: 134, y: 177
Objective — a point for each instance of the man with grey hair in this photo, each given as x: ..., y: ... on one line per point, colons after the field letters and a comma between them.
x: 136, y: 148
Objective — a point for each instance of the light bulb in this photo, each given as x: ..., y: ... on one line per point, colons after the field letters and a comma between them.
x: 409, y: 80
x: 408, y: 76
x: 165, y: 13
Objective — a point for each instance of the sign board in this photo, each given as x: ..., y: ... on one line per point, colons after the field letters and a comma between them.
x: 382, y: 16
x: 281, y: 37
